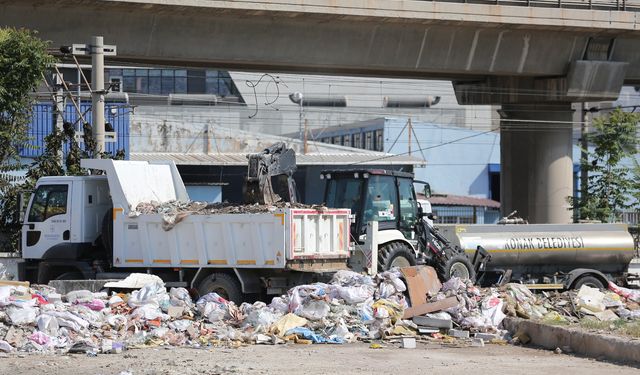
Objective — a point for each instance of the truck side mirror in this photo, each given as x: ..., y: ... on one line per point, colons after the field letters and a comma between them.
x: 426, y: 190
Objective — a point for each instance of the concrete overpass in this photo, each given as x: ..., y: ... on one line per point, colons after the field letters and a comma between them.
x: 534, y: 61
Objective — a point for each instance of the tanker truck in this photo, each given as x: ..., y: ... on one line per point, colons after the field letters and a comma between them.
x: 547, y: 256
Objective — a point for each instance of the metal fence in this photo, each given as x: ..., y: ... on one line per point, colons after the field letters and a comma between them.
x: 622, y: 5
x: 465, y: 215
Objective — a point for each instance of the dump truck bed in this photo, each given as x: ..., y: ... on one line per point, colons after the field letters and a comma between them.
x: 258, y: 240
x: 282, y: 238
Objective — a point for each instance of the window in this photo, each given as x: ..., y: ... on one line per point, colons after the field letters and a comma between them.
x: 346, y: 140
x: 337, y: 140
x: 408, y: 205
x: 381, y: 199
x: 379, y: 140
x: 368, y: 141
x: 343, y: 193
x: 48, y: 201
x: 357, y: 140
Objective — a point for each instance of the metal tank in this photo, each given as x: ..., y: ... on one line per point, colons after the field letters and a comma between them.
x: 547, y: 248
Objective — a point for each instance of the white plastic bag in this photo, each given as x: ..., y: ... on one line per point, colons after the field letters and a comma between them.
x: 355, y: 294
x: 314, y: 310
x: 48, y: 324
x: 22, y: 315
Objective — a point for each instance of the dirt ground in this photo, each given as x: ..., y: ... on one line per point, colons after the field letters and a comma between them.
x: 315, y: 359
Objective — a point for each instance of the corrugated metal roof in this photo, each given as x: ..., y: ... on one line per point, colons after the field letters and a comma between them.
x: 240, y: 159
x: 460, y: 200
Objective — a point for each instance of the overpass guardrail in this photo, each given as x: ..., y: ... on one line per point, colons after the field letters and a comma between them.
x: 617, y: 5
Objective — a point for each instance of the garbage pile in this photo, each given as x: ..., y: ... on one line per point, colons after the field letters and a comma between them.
x: 175, y: 211
x: 571, y: 306
x: 349, y: 308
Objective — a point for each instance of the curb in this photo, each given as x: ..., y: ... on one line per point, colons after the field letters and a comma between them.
x: 576, y: 341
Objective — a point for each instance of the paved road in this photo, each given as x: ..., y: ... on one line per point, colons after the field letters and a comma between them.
x: 317, y: 359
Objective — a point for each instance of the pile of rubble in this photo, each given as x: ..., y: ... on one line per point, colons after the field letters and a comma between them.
x: 349, y: 308
x: 175, y: 211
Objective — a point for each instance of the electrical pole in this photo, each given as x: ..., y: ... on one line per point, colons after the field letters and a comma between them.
x: 97, y: 50
x: 584, y: 155
x: 410, y: 131
x: 97, y: 95
x: 304, y: 149
x: 59, y: 112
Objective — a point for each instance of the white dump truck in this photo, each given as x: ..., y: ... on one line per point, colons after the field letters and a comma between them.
x: 86, y: 227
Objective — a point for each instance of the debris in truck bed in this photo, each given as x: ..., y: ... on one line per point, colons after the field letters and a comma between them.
x: 175, y: 211
x: 349, y: 308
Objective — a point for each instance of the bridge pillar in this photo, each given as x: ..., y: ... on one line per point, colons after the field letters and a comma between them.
x: 536, y: 161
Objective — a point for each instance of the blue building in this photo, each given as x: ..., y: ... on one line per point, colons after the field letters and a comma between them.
x: 460, y: 162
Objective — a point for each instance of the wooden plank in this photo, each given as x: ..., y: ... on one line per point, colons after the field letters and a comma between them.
x: 430, y: 307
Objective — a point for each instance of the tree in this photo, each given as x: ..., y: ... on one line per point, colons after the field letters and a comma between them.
x: 611, y: 185
x: 23, y: 60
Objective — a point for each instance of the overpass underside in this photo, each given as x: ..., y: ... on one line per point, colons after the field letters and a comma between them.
x: 533, y: 61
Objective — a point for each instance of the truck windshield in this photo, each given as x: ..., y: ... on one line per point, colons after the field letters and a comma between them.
x: 48, y: 201
x: 344, y: 193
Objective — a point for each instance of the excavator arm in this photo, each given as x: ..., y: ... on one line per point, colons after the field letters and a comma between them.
x: 270, y: 176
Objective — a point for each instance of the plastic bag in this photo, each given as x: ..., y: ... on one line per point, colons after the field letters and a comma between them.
x: 314, y: 310
x: 48, y: 324
x: 153, y: 294
x: 631, y: 294
x: 5, y: 347
x: 180, y: 297
x: 355, y: 294
x: 491, y: 308
x: 22, y: 315
x: 95, y: 305
x: 590, y: 300
x: 79, y: 296
x: 286, y: 323
x: 69, y: 320
x: 262, y: 318
x: 40, y: 338
x: 279, y: 304
x: 149, y: 312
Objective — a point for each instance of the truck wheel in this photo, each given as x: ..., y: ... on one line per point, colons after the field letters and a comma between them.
x: 395, y: 254
x: 227, y: 287
x: 458, y: 266
x: 588, y: 280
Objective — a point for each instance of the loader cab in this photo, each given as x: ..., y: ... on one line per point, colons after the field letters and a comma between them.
x: 385, y: 196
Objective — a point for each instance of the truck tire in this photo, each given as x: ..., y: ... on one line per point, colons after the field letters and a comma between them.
x: 395, y: 254
x: 588, y: 280
x: 227, y: 287
x: 458, y: 266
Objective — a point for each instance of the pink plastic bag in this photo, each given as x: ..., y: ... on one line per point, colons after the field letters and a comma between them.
x: 633, y: 295
x: 39, y: 338
x: 95, y: 305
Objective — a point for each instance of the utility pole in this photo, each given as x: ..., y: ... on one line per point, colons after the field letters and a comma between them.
x: 59, y: 112
x: 305, y: 137
x: 97, y: 50
x: 410, y: 132
x: 97, y: 95
x: 584, y: 156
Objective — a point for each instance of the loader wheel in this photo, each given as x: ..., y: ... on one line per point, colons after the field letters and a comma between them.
x: 458, y: 266
x: 395, y: 254
x: 227, y: 287
x: 588, y: 280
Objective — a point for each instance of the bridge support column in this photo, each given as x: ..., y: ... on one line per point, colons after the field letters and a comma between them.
x: 536, y: 161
